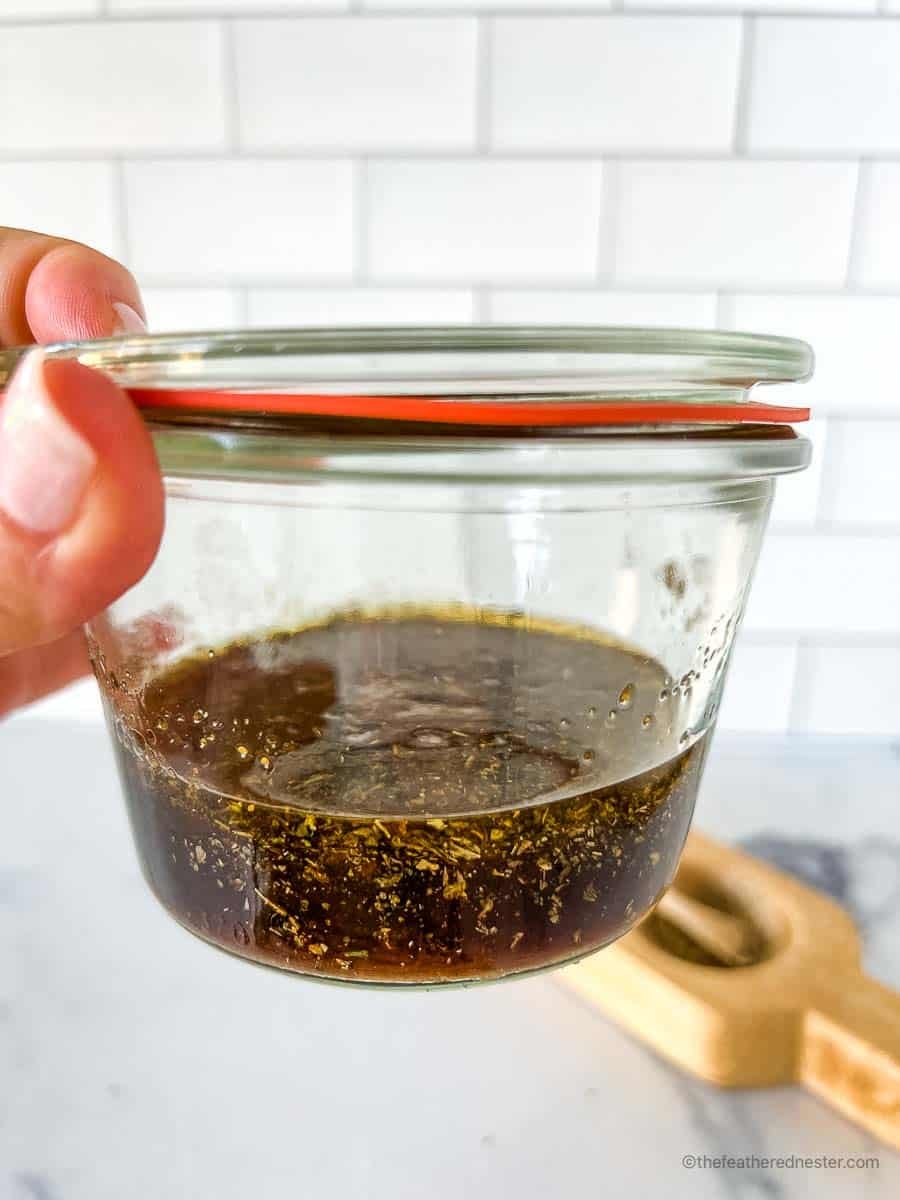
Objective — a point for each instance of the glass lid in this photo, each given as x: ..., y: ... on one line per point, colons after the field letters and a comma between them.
x: 497, y: 377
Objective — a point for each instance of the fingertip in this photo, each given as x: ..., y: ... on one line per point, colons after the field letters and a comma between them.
x: 117, y: 533
x: 75, y: 293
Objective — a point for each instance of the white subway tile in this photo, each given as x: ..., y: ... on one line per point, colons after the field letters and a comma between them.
x: 583, y: 307
x: 825, y: 86
x: 826, y: 583
x: 391, y: 83
x: 234, y: 220
x: 177, y: 310
x: 220, y: 6
x: 568, y: 83
x: 879, y: 228
x: 759, y: 689
x: 359, y: 306
x: 484, y: 220
x: 34, y: 9
x: 735, y: 223
x: 813, y: 6
x: 117, y: 86
x: 863, y: 474
x: 797, y: 496
x: 852, y: 689
x: 854, y: 340
x: 67, y: 199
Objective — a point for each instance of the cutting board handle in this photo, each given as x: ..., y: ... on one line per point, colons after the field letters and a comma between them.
x: 851, y: 1052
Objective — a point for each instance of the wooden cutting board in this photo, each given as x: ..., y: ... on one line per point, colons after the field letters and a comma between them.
x: 804, y: 1012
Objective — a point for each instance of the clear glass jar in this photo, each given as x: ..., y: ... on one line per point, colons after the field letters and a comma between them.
x: 405, y: 700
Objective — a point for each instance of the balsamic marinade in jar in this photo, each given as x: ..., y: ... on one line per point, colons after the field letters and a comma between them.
x: 411, y: 796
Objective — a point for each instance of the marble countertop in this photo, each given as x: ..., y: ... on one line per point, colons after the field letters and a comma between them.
x: 137, y: 1062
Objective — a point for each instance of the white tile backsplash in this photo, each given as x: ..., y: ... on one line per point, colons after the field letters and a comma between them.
x: 484, y: 220
x: 588, y: 307
x: 851, y: 690
x: 359, y: 306
x: 180, y: 310
x: 393, y: 83
x: 734, y: 223
x: 558, y: 83
x: 75, y: 200
x: 798, y: 497
x: 114, y: 86
x: 676, y: 162
x: 240, y: 219
x: 818, y: 584
x: 825, y: 86
x: 863, y: 473
x: 759, y: 689
x: 879, y: 228
x: 854, y: 342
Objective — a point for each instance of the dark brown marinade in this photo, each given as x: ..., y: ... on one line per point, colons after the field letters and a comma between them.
x: 410, y: 799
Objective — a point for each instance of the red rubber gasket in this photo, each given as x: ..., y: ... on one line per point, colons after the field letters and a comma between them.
x: 468, y: 411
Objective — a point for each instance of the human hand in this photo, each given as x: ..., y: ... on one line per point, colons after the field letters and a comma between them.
x: 81, y: 500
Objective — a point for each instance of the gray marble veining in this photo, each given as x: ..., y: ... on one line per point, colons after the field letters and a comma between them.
x: 134, y: 1061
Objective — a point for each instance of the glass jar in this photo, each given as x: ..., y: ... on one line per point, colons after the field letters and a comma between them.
x: 421, y: 683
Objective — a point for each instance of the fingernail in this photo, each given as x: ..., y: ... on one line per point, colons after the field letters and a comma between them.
x: 45, y: 466
x: 129, y: 320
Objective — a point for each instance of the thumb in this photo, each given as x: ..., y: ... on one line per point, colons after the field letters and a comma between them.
x: 81, y: 506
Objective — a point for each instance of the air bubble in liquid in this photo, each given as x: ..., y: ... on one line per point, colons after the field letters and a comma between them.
x: 428, y: 739
x: 626, y: 696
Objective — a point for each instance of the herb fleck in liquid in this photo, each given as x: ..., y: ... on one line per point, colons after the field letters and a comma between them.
x: 412, y: 799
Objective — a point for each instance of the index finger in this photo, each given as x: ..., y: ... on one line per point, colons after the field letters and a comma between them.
x: 52, y: 290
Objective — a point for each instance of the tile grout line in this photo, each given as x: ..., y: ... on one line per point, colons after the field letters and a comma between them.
x: 823, y: 518
x: 724, y: 309
x: 481, y: 306
x: 360, y: 193
x: 553, y: 283
x: 322, y: 8
x: 801, y: 695
x: 830, y: 640
x: 243, y: 307
x: 387, y: 153
x: 484, y: 83
x: 121, y: 199
x: 231, y: 98
x: 860, y: 199
x: 608, y: 225
x: 744, y: 86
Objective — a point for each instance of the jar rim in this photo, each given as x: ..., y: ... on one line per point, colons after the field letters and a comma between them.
x: 668, y: 379
x: 668, y: 355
